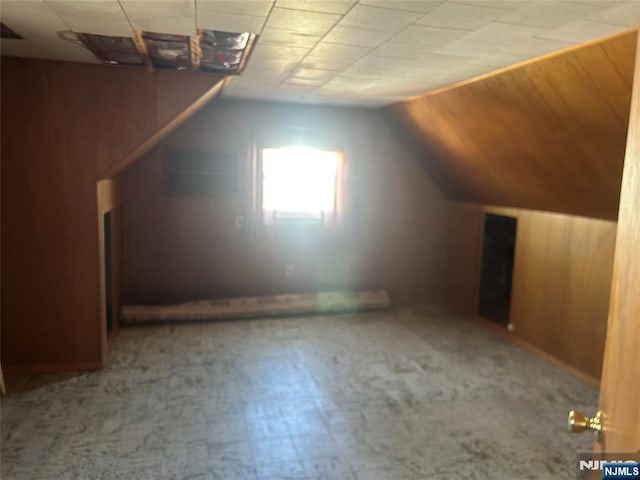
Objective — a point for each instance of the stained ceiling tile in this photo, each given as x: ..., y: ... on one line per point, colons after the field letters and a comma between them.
x: 549, y: 16
x: 461, y: 16
x: 326, y: 6
x: 310, y: 23
x: 383, y: 19
x: 259, y: 8
x: 229, y: 22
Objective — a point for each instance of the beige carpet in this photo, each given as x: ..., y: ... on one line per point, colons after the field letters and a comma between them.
x: 406, y: 394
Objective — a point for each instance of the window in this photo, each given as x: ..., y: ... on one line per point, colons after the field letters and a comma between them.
x: 301, y: 184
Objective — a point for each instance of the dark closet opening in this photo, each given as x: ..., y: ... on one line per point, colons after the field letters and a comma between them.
x: 497, y: 268
x: 108, y: 277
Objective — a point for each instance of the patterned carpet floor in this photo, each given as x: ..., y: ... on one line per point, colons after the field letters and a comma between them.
x: 408, y: 394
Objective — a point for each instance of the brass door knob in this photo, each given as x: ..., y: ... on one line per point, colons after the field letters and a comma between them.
x: 577, y: 422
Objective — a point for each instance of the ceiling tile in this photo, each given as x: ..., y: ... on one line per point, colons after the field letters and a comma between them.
x: 364, y: 52
x: 599, y: 3
x: 550, y: 15
x: 504, y: 4
x: 164, y: 16
x: 404, y: 50
x: 362, y: 16
x: 259, y: 8
x: 289, y: 54
x: 314, y: 74
x: 340, y: 6
x: 419, y: 6
x: 581, y: 31
x: 33, y: 17
x: 304, y: 82
x: 503, y: 33
x: 310, y: 23
x: 423, y: 35
x: 358, y: 37
x: 274, y: 36
x: 229, y: 22
x: 268, y: 68
x: 98, y: 17
x: 625, y: 15
x: 461, y: 16
x: 331, y: 56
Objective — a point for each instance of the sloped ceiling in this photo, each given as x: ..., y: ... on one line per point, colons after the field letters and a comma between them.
x: 546, y: 135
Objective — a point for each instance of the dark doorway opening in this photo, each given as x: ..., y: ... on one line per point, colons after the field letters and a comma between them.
x: 497, y: 268
x: 108, y: 274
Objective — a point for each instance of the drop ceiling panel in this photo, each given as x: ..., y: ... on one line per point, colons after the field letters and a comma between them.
x: 374, y: 18
x: 336, y: 51
x: 311, y: 23
x: 581, y: 31
x: 260, y: 8
x: 550, y: 16
x: 229, y: 22
x: 422, y: 6
x: 625, y: 15
x: 461, y: 16
x: 163, y: 16
x: 275, y: 36
x: 358, y: 37
x: 339, y: 7
x: 98, y: 17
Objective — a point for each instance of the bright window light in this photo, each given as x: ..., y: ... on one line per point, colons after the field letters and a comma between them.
x: 299, y: 182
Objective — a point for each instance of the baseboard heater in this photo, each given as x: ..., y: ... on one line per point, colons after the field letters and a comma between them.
x: 253, y: 307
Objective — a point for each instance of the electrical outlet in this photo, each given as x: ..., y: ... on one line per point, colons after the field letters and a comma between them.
x: 239, y: 222
x: 288, y: 271
x: 510, y: 327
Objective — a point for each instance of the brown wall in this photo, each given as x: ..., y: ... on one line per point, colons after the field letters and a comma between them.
x: 545, y: 135
x: 561, y: 279
x: 182, y: 248
x: 63, y: 126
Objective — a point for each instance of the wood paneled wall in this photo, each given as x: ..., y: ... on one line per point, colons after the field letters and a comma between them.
x: 63, y: 126
x: 184, y: 248
x: 547, y: 135
x: 561, y: 280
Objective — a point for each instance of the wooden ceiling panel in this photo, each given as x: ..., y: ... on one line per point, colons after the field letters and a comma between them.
x: 546, y: 135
